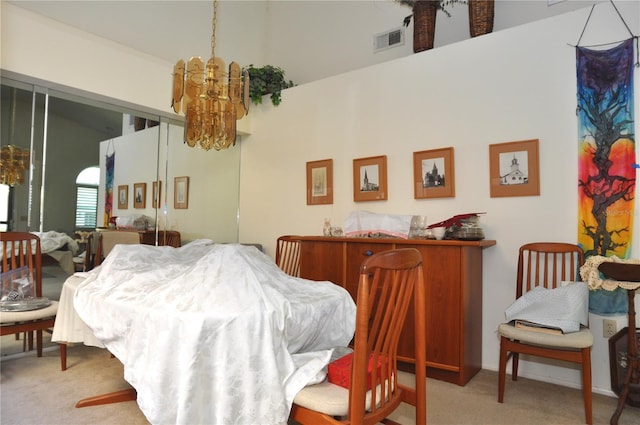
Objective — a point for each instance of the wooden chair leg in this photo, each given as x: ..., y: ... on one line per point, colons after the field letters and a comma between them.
x: 515, y: 360
x: 502, y: 370
x: 586, y: 385
x: 63, y: 356
x: 39, y: 342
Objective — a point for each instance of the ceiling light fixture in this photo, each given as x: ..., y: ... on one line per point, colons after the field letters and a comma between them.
x: 210, y: 98
x: 13, y: 163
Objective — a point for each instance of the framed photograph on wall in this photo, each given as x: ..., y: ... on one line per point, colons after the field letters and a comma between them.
x: 433, y: 174
x: 157, y: 193
x: 514, y: 169
x: 181, y: 193
x: 139, y: 195
x: 370, y: 179
x: 320, y: 182
x: 123, y: 197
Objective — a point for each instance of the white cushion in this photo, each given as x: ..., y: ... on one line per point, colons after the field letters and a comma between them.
x: 581, y: 339
x: 325, y: 397
x: 24, y: 316
x: 330, y: 399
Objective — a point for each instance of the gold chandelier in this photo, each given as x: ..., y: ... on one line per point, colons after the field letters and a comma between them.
x: 13, y: 163
x: 211, y: 99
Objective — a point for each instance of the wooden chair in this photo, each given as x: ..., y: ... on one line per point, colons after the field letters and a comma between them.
x: 389, y: 282
x: 547, y: 264
x: 21, y: 250
x: 107, y: 240
x: 288, y: 254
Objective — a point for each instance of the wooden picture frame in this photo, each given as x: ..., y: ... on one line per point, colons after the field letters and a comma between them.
x: 320, y: 182
x: 157, y: 194
x: 434, y: 174
x: 123, y: 197
x: 514, y: 169
x: 181, y: 193
x: 370, y: 179
x: 139, y: 195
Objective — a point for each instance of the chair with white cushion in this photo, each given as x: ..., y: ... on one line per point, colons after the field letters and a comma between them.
x: 546, y: 264
x: 389, y: 282
x: 21, y: 253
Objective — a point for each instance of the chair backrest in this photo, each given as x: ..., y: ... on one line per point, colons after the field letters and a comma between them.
x: 389, y: 282
x: 21, y: 250
x: 288, y: 254
x: 547, y: 264
x: 109, y: 239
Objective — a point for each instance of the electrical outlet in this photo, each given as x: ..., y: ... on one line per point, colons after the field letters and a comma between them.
x: 609, y: 328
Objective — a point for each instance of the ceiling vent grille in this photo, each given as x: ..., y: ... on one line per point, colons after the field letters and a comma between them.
x: 388, y: 39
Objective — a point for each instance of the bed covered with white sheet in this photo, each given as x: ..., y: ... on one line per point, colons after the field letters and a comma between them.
x: 213, y: 333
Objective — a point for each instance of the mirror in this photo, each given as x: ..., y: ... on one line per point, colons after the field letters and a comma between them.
x: 76, y: 132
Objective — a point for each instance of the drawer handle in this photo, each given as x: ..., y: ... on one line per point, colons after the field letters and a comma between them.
x: 368, y: 253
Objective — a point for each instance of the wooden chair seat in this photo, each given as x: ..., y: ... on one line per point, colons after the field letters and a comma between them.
x: 575, y: 340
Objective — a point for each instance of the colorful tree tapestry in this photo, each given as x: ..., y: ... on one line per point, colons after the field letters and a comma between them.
x: 607, y: 150
x: 606, y: 157
x: 108, y: 193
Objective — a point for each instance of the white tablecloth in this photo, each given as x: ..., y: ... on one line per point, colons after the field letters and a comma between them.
x: 69, y: 328
x: 213, y: 333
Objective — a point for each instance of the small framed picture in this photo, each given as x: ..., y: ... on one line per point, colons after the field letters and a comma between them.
x: 433, y: 174
x: 370, y: 179
x: 157, y: 194
x: 514, y: 169
x: 139, y: 195
x: 123, y: 197
x: 181, y: 193
x: 320, y: 182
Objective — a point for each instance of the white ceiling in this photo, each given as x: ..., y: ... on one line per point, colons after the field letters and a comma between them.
x: 159, y: 28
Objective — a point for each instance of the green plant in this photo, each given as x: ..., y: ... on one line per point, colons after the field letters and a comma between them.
x: 440, y: 5
x: 267, y: 80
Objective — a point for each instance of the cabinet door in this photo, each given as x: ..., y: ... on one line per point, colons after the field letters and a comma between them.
x: 444, y: 329
x: 322, y: 260
x: 356, y: 253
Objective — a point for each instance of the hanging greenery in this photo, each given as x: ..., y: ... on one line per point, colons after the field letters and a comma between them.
x: 267, y: 80
x: 440, y: 5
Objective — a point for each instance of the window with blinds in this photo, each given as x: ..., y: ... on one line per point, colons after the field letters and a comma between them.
x: 86, y: 206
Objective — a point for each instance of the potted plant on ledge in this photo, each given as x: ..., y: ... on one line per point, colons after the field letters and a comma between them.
x: 267, y: 80
x: 424, y: 20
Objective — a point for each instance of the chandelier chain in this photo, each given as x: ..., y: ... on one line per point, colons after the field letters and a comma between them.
x: 214, y: 22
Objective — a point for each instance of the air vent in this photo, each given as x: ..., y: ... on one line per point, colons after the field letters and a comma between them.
x: 388, y: 39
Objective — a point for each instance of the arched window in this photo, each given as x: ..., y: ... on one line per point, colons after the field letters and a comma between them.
x: 87, y: 198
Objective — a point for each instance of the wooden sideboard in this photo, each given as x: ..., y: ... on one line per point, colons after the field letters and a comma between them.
x: 453, y: 275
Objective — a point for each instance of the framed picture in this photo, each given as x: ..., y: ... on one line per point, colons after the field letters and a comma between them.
x: 157, y: 194
x: 320, y: 182
x: 370, y: 179
x: 181, y: 193
x: 433, y: 174
x: 514, y: 169
x: 123, y: 197
x: 139, y: 195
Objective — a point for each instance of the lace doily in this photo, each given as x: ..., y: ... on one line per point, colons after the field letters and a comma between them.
x: 591, y: 274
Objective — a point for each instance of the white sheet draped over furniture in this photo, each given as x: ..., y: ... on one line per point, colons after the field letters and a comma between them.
x: 213, y: 333
x: 51, y: 243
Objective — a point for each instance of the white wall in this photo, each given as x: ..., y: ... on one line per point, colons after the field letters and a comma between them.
x: 511, y: 85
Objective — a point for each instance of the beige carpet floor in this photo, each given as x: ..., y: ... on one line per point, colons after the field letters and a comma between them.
x: 34, y: 391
